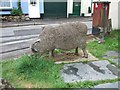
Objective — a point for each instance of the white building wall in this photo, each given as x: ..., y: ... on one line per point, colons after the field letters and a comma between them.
x: 119, y: 15
x: 41, y: 6
x: 70, y: 4
x: 69, y: 7
x: 114, y: 13
x: 84, y: 6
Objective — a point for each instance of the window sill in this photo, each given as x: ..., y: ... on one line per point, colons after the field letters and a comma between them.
x: 5, y: 8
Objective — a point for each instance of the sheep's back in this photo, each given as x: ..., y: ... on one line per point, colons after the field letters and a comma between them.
x: 70, y: 35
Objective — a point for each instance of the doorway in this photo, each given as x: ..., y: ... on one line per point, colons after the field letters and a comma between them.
x: 76, y: 8
x: 34, y: 8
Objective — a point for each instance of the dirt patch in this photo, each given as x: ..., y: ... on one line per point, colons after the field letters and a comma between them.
x: 68, y: 57
x: 29, y: 85
x: 93, y: 38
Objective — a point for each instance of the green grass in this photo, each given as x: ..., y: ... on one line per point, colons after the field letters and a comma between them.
x: 111, y: 43
x: 36, y: 72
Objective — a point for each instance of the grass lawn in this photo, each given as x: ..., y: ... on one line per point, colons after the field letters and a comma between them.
x: 111, y: 43
x: 37, y: 72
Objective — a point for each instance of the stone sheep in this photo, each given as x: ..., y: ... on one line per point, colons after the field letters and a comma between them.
x: 66, y: 36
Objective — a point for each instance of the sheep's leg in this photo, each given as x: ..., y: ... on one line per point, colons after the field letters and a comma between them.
x: 51, y: 53
x: 85, y: 52
x: 76, y: 51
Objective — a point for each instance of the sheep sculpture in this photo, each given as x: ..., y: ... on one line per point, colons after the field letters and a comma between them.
x: 66, y: 36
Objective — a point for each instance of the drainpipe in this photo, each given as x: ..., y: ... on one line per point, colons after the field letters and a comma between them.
x: 91, y: 7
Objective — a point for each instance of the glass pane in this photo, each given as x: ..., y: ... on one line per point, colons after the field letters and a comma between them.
x: 4, y: 3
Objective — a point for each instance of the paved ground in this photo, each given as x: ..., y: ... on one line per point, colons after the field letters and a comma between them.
x: 93, y: 71
x: 109, y: 85
x: 82, y: 72
x: 45, y: 21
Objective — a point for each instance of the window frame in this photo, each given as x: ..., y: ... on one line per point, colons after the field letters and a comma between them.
x: 10, y: 7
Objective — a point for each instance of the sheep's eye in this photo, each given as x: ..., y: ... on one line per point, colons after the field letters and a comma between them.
x: 38, y: 41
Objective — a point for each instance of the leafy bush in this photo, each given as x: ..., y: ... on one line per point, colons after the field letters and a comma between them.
x: 16, y: 12
x: 19, y: 8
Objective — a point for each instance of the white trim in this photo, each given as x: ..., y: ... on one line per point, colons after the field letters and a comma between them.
x: 7, y: 7
x: 69, y: 7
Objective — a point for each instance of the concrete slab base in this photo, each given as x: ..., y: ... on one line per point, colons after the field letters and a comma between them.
x: 96, y: 70
x: 109, y: 85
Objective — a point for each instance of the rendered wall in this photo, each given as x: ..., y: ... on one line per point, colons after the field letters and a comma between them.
x: 41, y: 6
x: 114, y: 14
x: 84, y: 6
x: 24, y: 6
x: 69, y: 7
x: 119, y: 15
x: 14, y: 4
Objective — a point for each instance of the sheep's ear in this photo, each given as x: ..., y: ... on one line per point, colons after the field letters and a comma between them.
x: 37, y: 41
x: 43, y: 27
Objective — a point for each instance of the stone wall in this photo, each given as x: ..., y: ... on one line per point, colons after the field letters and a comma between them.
x: 14, y: 18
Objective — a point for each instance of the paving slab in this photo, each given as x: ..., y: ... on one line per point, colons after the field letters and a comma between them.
x: 110, y: 54
x: 17, y: 38
x: 27, y: 32
x: 14, y: 54
x: 114, y: 69
x: 92, y: 71
x: 109, y: 85
x: 6, y: 33
x: 17, y: 45
x: 117, y: 61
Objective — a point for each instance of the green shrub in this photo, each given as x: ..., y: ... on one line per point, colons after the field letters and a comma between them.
x: 19, y: 8
x: 17, y: 11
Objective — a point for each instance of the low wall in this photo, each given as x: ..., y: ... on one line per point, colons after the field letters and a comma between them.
x: 14, y: 18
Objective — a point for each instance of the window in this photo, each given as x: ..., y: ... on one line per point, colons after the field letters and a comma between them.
x: 33, y: 2
x: 5, y: 4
